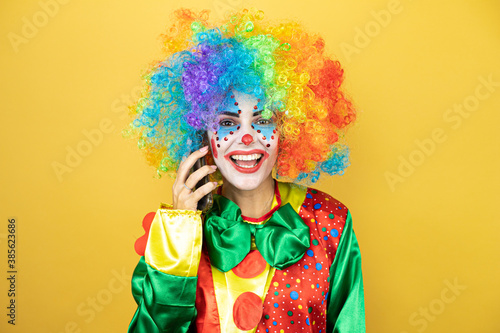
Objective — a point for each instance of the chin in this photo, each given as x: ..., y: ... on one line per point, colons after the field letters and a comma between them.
x: 244, y: 176
x: 246, y: 183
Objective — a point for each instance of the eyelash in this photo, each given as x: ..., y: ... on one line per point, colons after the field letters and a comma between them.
x: 263, y: 121
x: 229, y: 122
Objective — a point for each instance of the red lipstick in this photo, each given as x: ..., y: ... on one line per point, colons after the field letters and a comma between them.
x: 253, y: 169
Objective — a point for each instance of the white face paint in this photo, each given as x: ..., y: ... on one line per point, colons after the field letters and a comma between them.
x: 245, y: 147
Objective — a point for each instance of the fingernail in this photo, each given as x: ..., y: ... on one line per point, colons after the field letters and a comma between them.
x: 216, y: 184
x: 214, y: 167
x: 204, y: 149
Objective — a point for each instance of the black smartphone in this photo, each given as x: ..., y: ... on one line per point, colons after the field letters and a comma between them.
x: 206, y: 202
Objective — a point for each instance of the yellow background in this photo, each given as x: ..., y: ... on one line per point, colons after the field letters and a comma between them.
x: 435, y: 225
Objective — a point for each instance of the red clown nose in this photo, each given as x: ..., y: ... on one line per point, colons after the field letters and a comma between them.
x: 247, y: 139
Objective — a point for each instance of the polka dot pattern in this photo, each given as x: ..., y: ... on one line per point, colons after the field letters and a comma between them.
x: 297, y: 297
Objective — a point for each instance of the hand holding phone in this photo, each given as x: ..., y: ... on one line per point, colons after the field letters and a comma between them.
x: 205, y: 203
x: 192, y: 187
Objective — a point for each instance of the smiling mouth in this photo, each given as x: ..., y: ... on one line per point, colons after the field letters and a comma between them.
x: 246, y: 161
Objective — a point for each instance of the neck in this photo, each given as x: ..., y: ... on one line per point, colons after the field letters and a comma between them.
x: 253, y: 203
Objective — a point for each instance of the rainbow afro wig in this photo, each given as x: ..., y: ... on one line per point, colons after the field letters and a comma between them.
x: 281, y: 63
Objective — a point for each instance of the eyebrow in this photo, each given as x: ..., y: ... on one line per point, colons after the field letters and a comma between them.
x: 234, y: 114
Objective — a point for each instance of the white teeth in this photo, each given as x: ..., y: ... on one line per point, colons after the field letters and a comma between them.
x: 246, y: 157
x: 252, y: 157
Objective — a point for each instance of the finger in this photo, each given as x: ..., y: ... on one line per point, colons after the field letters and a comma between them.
x: 198, y: 175
x: 203, y: 190
x: 188, y: 162
x: 186, y: 165
x: 190, y: 200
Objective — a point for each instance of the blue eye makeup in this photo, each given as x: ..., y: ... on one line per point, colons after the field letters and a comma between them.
x: 230, y: 104
x: 265, y: 128
x: 227, y: 126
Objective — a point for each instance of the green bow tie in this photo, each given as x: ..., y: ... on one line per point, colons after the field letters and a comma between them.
x: 282, y: 240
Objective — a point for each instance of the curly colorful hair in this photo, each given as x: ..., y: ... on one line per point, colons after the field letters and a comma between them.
x: 281, y: 62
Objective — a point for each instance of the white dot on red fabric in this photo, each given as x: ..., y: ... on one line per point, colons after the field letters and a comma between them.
x: 305, y: 311
x: 247, y: 311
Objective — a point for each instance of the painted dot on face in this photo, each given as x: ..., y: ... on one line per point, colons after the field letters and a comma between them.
x: 214, y: 150
x: 263, y: 138
x: 258, y: 131
x: 272, y: 137
x: 235, y: 103
x: 218, y: 146
x: 255, y: 107
x: 237, y: 125
x: 217, y: 138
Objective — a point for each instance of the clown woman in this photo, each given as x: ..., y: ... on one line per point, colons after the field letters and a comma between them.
x: 262, y: 104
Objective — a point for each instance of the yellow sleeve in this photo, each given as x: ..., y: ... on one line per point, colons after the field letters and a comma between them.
x: 174, y: 243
